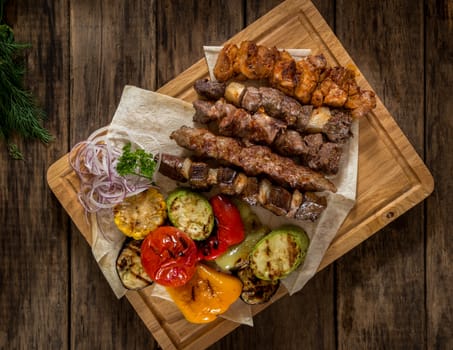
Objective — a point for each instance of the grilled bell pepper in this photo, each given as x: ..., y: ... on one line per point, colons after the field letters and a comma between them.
x: 237, y: 255
x: 208, y: 294
x: 228, y: 231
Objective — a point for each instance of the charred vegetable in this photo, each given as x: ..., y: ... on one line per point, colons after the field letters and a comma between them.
x: 237, y: 256
x: 228, y: 231
x: 208, y: 294
x: 255, y: 290
x: 169, y: 256
x: 140, y: 214
x: 129, y: 267
x: 279, y: 253
x: 190, y: 212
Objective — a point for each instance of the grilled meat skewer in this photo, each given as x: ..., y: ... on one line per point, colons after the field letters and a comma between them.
x: 281, y: 202
x: 236, y: 122
x: 309, y: 80
x: 254, y: 160
x: 260, y: 128
x: 332, y: 122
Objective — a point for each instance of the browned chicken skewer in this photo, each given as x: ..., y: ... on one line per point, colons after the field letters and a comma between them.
x: 335, y: 124
x: 281, y: 202
x: 309, y: 80
x: 254, y: 160
x: 312, y: 150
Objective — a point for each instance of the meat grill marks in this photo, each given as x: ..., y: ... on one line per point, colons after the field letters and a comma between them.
x: 334, y: 123
x: 281, y: 202
x: 254, y: 160
x: 211, y: 90
x: 260, y: 128
x: 236, y: 122
x: 309, y: 80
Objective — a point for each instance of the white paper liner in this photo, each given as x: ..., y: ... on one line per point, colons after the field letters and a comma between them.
x: 149, y: 117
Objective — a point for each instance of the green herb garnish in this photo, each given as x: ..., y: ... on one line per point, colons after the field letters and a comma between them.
x: 19, y: 112
x: 137, y: 163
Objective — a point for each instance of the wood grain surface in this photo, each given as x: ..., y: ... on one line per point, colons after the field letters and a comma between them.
x: 393, y: 291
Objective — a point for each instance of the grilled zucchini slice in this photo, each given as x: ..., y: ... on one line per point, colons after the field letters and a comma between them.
x: 140, y: 214
x: 279, y: 253
x: 190, y: 212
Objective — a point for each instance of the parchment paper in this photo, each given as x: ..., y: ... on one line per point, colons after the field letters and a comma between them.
x: 150, y: 118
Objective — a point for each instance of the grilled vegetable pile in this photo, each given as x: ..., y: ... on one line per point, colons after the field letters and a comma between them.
x: 171, y: 240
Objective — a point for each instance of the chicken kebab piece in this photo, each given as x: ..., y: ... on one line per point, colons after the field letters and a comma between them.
x: 312, y: 149
x: 309, y: 80
x: 254, y: 159
x: 255, y: 191
x: 334, y: 123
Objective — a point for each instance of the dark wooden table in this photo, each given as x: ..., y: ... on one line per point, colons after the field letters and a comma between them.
x: 392, y: 292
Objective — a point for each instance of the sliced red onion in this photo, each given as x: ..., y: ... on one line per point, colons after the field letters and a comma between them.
x: 94, y: 160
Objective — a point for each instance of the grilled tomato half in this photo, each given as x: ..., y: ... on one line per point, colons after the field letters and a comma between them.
x: 169, y: 256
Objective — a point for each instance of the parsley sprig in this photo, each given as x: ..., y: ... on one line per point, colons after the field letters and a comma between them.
x: 137, y: 162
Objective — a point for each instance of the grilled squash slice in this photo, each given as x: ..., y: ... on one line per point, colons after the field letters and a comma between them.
x: 190, y: 212
x: 279, y: 253
x: 140, y: 214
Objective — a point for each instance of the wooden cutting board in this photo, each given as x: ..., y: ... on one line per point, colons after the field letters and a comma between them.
x: 392, y: 178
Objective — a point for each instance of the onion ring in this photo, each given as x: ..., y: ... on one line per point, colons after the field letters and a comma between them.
x: 94, y: 161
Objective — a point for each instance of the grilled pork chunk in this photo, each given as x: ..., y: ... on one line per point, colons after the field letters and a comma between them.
x: 334, y: 123
x: 236, y: 122
x: 281, y: 202
x: 212, y: 90
x: 313, y: 151
x: 254, y: 160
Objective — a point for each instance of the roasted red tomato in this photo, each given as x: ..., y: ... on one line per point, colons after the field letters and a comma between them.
x: 169, y: 256
x: 228, y: 231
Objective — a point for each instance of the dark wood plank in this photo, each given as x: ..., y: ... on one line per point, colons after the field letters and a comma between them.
x: 439, y: 145
x: 185, y: 26
x: 112, y: 44
x: 381, y: 283
x: 34, y: 244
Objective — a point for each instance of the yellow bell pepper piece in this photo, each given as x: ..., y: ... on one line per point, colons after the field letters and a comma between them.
x: 208, y: 294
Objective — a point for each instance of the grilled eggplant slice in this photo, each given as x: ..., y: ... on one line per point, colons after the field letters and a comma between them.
x: 254, y: 290
x: 279, y: 253
x: 129, y: 266
x: 190, y: 212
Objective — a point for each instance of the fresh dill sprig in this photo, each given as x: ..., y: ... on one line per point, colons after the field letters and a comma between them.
x: 19, y: 112
x: 137, y: 163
